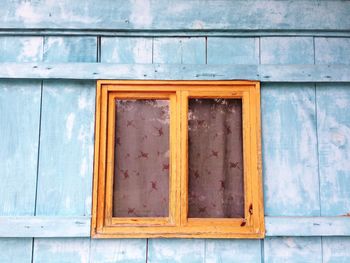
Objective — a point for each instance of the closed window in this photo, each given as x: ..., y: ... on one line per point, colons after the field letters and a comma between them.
x: 177, y: 159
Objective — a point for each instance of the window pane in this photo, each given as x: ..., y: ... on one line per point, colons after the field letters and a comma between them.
x: 215, y: 158
x: 141, y: 174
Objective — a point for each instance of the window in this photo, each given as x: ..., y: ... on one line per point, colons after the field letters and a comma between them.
x: 177, y: 159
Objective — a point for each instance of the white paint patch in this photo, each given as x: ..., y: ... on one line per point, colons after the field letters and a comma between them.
x: 142, y: 51
x: 197, y: 24
x: 83, y: 168
x: 31, y: 49
x: 141, y: 16
x: 84, y: 103
x: 26, y: 12
x: 70, y: 125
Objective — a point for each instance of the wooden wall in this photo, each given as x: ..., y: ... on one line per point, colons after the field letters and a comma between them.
x: 50, y: 57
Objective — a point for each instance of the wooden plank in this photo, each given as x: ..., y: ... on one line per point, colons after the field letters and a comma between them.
x: 225, y: 50
x: 336, y: 249
x: 19, y: 133
x: 332, y: 50
x: 290, y: 162
x: 232, y: 251
x: 265, y: 73
x: 21, y: 49
x: 126, y: 50
x: 39, y: 226
x: 179, y: 50
x: 182, y: 15
x: 287, y: 50
x: 176, y: 250
x: 66, y: 148
x: 58, y: 226
x: 333, y: 126
x: 293, y: 249
x: 67, y: 250
x: 70, y: 49
x: 118, y: 250
x: 307, y: 226
x: 16, y: 250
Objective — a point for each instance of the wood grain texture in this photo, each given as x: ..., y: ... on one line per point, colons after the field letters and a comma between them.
x: 293, y: 249
x: 333, y: 126
x: 19, y: 133
x: 217, y: 251
x: 126, y: 50
x: 21, y: 49
x: 66, y: 148
x: 264, y: 73
x: 118, y: 250
x: 287, y: 50
x: 16, y: 250
x: 44, y: 226
x: 67, y: 250
x: 182, y: 15
x: 336, y: 249
x: 330, y: 50
x: 70, y: 49
x: 230, y: 50
x: 179, y: 50
x: 307, y: 226
x: 176, y: 250
x: 290, y: 162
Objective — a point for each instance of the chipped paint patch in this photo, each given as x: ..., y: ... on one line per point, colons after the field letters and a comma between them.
x: 141, y: 15
x: 70, y: 125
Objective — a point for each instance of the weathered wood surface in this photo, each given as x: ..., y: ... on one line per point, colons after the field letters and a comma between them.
x: 179, y: 15
x: 39, y: 226
x: 293, y: 249
x: 66, y: 149
x: 287, y: 50
x: 21, y: 49
x: 118, y: 250
x: 19, y: 133
x: 233, y: 51
x: 307, y: 226
x: 67, y: 250
x: 336, y: 249
x: 265, y: 73
x: 289, y: 147
x: 15, y: 250
x: 333, y: 126
x: 332, y: 50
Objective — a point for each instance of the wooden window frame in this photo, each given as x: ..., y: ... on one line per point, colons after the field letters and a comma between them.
x: 177, y: 224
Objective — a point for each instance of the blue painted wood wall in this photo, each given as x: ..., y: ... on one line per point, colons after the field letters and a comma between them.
x: 51, y: 53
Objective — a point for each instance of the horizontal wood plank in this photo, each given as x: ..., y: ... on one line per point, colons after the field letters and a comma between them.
x: 41, y: 226
x: 265, y: 73
x: 307, y: 226
x: 181, y: 15
x: 45, y: 226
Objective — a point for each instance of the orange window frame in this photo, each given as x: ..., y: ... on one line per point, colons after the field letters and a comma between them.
x: 177, y: 224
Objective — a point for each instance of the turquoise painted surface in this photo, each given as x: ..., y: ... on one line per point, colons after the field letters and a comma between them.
x: 289, y: 148
x: 293, y: 249
x: 217, y: 251
x: 66, y: 148
x: 70, y: 49
x: 126, y: 50
x: 19, y: 133
x: 228, y: 50
x: 336, y: 249
x: 287, y: 50
x: 21, y: 49
x: 176, y: 250
x: 332, y: 50
x: 118, y: 250
x: 67, y: 250
x: 16, y: 250
x: 333, y: 126
x: 179, y: 50
x: 179, y: 15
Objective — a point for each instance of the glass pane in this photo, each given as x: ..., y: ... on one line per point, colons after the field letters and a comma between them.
x: 215, y: 158
x: 141, y: 176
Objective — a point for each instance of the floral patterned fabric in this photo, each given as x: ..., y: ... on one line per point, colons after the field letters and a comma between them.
x: 215, y: 158
x: 141, y: 176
